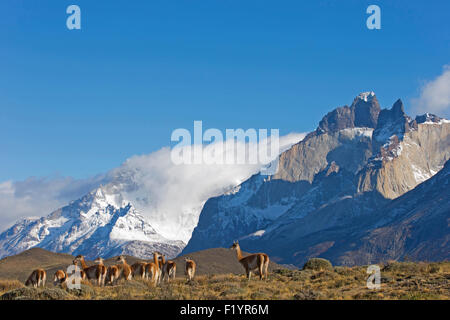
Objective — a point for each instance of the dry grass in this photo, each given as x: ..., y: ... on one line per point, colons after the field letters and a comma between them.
x: 7, y: 285
x: 405, y: 280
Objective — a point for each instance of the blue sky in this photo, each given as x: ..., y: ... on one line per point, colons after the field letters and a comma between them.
x: 77, y: 103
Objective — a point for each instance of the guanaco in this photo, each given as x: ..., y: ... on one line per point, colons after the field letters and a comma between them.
x: 112, y: 275
x: 138, y: 269
x: 37, y: 278
x: 126, y: 269
x: 60, y: 278
x: 82, y: 273
x: 94, y: 272
x: 152, y: 270
x: 103, y: 269
x: 169, y: 269
x: 190, y: 268
x: 252, y: 262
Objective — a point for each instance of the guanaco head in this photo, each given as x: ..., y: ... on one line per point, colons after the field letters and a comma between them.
x: 99, y: 260
x: 235, y: 245
x: 78, y: 258
x: 59, y: 276
x: 121, y: 259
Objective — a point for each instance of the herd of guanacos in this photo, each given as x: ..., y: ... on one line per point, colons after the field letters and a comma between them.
x: 156, y: 271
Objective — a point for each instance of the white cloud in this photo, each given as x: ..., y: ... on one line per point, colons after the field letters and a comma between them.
x: 435, y: 96
x: 35, y: 197
x: 170, y: 195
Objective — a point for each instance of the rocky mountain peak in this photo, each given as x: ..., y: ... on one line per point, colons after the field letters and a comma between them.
x: 363, y: 112
x: 366, y: 109
x: 391, y: 122
x: 338, y: 119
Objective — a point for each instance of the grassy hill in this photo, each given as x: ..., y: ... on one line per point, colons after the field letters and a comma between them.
x: 210, y: 261
x: 221, y: 277
x: 21, y: 265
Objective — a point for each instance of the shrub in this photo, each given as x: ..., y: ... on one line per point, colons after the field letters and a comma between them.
x: 85, y: 291
x: 434, y: 268
x: 27, y: 293
x: 408, y: 267
x: 318, y: 264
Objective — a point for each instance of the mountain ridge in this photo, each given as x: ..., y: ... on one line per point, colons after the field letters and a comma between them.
x: 337, y: 175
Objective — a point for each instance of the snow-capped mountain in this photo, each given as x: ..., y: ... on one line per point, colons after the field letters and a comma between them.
x: 355, y: 166
x: 147, y: 203
x: 99, y: 224
x: 356, y: 162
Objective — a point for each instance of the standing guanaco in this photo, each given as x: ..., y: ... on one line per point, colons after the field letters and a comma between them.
x: 112, y: 275
x: 94, y: 272
x: 169, y: 269
x: 252, y: 262
x: 152, y: 270
x: 103, y: 270
x: 138, y: 269
x: 82, y: 273
x: 190, y: 268
x: 126, y: 269
x: 37, y: 278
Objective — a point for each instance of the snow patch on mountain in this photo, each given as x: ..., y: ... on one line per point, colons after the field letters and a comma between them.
x: 366, y: 96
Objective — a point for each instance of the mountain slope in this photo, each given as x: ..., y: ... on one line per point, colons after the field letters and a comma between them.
x: 419, y: 228
x: 357, y: 161
x: 21, y: 265
x: 413, y: 226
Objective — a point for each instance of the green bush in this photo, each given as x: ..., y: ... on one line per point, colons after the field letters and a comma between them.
x: 318, y: 264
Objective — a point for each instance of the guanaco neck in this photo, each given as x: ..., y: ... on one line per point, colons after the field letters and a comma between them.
x: 83, y: 263
x: 155, y: 259
x: 163, y: 260
x: 239, y: 252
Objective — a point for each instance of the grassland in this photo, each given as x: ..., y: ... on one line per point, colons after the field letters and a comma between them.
x: 399, y: 280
